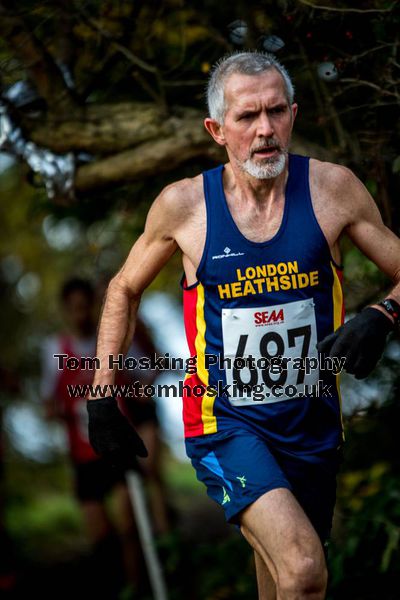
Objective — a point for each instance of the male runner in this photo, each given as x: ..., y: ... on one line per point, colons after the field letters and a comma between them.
x: 259, y: 241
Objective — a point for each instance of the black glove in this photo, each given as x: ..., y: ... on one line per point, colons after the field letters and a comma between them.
x: 111, y: 435
x: 360, y: 341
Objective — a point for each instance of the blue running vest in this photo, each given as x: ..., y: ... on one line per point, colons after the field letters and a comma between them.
x: 254, y: 301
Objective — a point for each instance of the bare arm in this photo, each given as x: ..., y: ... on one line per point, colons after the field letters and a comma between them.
x: 147, y: 257
x: 361, y: 340
x: 368, y: 232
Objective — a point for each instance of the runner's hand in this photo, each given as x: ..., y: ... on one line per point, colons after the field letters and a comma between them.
x: 360, y: 341
x: 111, y: 434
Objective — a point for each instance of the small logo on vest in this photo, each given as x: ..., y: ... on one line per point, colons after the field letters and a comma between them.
x: 269, y: 318
x: 227, y: 254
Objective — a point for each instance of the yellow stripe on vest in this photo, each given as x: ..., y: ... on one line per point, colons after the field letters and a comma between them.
x: 337, y: 294
x: 207, y: 404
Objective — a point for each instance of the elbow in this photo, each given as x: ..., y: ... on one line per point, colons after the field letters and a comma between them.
x: 119, y: 285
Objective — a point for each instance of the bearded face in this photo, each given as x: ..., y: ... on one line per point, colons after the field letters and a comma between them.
x: 258, y: 123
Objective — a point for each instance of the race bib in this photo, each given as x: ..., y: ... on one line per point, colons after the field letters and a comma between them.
x: 285, y: 330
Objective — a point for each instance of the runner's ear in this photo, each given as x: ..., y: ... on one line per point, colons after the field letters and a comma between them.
x: 215, y: 130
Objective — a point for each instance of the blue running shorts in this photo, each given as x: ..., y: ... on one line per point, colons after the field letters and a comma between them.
x: 238, y: 466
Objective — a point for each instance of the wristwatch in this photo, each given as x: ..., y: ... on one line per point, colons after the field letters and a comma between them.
x: 391, y: 307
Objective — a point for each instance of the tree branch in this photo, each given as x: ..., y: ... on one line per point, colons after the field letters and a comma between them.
x: 135, y: 60
x: 144, y: 161
x: 374, y: 86
x: 348, y: 10
x: 39, y: 64
x: 109, y: 128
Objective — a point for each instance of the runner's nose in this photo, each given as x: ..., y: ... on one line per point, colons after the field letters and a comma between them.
x: 264, y: 126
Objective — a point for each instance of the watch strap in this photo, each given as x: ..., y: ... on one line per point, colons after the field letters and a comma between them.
x: 392, y: 307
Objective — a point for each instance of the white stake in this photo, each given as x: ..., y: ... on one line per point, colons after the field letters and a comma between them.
x: 137, y: 496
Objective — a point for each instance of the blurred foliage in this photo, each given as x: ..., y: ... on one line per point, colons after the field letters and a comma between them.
x: 47, y: 530
x: 366, y: 551
x: 344, y: 60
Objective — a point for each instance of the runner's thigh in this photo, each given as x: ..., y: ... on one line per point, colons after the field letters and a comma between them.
x: 278, y: 528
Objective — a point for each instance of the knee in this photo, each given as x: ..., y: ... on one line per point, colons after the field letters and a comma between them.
x: 303, y: 577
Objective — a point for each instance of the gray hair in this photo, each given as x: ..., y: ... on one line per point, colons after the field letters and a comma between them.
x: 245, y: 63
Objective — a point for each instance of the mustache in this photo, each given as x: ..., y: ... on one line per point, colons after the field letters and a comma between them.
x: 267, y: 145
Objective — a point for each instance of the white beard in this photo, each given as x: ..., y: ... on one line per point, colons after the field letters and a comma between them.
x: 266, y: 170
